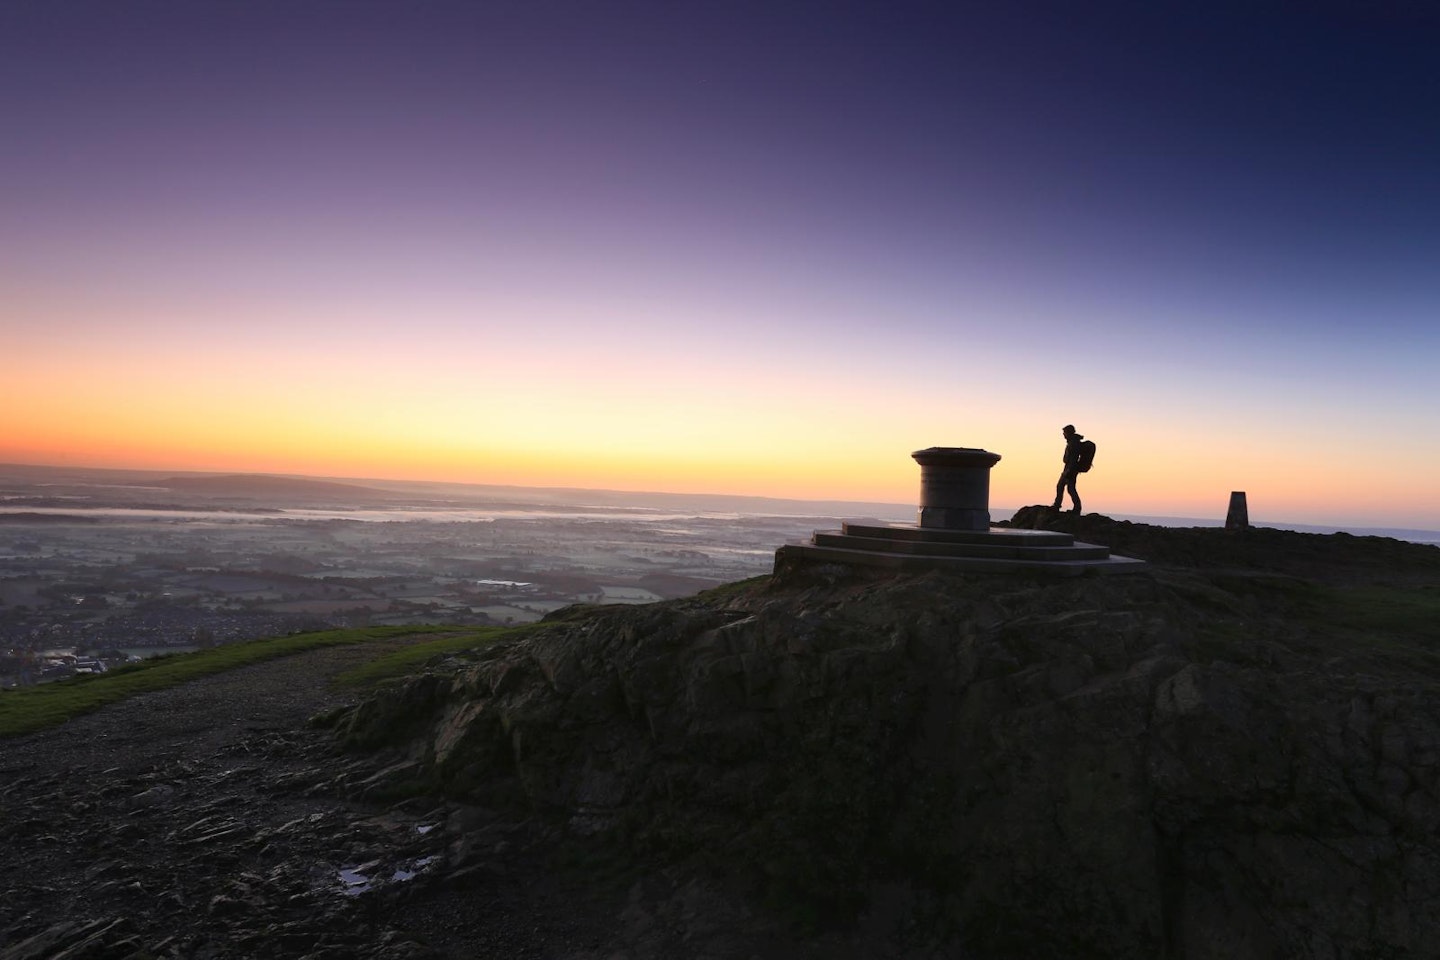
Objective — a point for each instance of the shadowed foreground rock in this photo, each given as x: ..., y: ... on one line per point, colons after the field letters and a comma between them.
x: 1217, y: 761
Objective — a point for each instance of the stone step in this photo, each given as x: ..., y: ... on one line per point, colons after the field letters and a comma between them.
x: 813, y: 553
x: 995, y: 535
x: 1001, y: 549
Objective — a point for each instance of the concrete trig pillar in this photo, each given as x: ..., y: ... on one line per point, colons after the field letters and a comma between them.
x: 1238, y: 516
x: 955, y: 487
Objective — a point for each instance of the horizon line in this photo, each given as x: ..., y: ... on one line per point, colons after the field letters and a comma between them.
x: 1142, y: 518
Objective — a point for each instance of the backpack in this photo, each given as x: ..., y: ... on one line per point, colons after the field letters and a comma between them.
x: 1087, y: 456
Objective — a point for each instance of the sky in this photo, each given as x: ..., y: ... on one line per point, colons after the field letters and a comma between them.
x: 747, y: 248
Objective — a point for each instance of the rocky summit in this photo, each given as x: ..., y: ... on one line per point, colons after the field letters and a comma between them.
x: 1236, y: 754
x: 1233, y: 757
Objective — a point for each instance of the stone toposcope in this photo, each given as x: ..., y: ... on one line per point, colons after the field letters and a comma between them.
x: 955, y: 487
x: 953, y: 531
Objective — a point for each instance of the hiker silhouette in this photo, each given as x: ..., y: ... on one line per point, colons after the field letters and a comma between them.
x: 1077, y: 457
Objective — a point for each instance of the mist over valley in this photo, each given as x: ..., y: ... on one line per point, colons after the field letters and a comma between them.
x: 97, y: 566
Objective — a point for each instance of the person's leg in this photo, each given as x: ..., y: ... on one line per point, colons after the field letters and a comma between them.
x: 1074, y: 494
x: 1060, y: 489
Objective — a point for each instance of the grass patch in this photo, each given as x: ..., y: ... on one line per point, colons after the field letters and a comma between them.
x: 1407, y: 613
x: 413, y: 658
x: 50, y: 704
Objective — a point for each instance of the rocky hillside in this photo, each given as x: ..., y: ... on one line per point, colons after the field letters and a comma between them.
x: 1235, y: 756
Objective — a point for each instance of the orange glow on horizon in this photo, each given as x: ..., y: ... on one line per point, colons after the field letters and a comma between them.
x: 882, y: 475
x: 618, y: 421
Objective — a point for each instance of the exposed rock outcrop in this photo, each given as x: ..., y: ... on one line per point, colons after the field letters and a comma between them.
x: 1211, y: 762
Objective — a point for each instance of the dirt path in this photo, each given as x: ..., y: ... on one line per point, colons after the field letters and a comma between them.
x: 193, y: 720
x: 209, y: 821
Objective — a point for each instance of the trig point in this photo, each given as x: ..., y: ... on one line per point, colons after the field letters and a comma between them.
x: 1238, y: 516
x: 953, y: 531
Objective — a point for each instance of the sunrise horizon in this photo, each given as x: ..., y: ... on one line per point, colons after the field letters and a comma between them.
x: 1206, y: 510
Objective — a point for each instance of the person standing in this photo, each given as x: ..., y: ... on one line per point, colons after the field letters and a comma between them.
x: 1074, y: 466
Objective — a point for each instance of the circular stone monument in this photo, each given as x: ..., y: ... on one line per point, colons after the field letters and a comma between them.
x: 955, y: 487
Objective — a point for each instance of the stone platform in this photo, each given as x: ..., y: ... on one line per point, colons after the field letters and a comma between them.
x: 997, y: 550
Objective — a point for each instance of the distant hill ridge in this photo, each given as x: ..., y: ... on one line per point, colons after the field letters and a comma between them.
x: 462, y: 494
x: 267, y: 485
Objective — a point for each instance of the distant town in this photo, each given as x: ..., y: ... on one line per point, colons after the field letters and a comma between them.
x: 99, y: 567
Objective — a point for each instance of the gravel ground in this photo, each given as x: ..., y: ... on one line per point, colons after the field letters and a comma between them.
x: 209, y: 821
